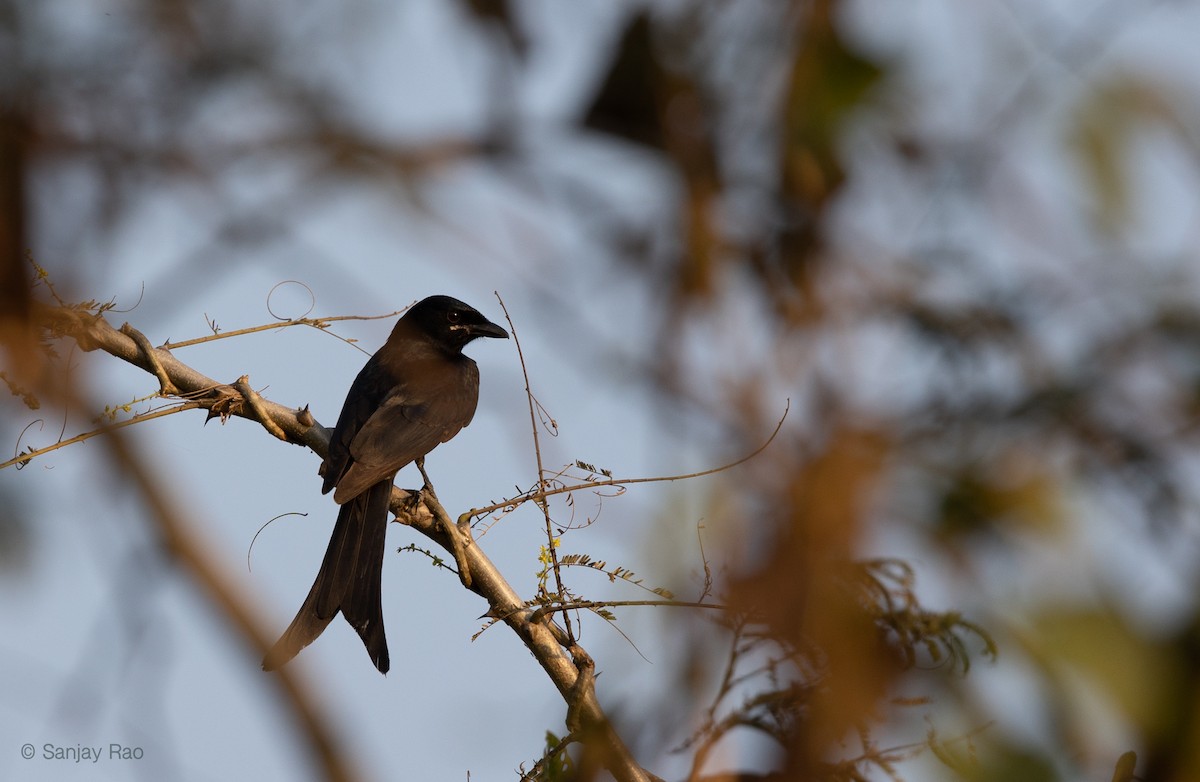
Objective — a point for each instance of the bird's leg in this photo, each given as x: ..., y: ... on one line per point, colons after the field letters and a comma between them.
x: 452, y: 532
x: 428, y: 487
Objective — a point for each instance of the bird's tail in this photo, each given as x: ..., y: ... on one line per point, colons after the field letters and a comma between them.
x: 349, y: 581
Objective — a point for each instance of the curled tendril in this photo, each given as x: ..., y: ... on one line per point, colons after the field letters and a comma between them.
x: 134, y: 306
x: 312, y: 300
x: 250, y: 548
x: 41, y: 423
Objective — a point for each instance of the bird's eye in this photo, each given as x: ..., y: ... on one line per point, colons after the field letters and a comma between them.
x: 453, y: 316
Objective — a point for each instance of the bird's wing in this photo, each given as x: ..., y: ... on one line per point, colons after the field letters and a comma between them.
x: 409, y: 423
x: 366, y: 394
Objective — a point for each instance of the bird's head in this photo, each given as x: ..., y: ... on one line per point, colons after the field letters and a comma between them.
x: 450, y: 322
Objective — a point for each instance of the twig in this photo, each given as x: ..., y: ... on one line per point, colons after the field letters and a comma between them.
x: 22, y: 459
x: 320, y: 324
x: 543, y: 494
x: 710, y: 718
x: 539, y: 767
x: 551, y: 541
x: 572, y: 605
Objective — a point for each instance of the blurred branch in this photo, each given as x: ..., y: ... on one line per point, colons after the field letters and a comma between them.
x: 189, y: 550
x: 1126, y: 765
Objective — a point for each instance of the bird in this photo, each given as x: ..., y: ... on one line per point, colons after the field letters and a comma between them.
x: 418, y: 391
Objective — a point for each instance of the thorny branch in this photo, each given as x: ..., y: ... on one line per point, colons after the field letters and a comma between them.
x: 93, y: 332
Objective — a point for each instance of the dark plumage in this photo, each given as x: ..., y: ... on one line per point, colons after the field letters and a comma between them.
x: 418, y: 391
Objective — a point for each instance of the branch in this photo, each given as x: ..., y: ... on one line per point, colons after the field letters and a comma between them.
x: 320, y: 324
x: 93, y: 332
x: 181, y: 543
x: 541, y: 636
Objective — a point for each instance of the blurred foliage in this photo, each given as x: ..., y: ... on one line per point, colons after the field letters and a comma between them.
x: 1029, y: 392
x: 556, y: 765
x: 1111, y: 120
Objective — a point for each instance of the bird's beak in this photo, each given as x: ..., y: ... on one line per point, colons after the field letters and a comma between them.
x: 487, y: 329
